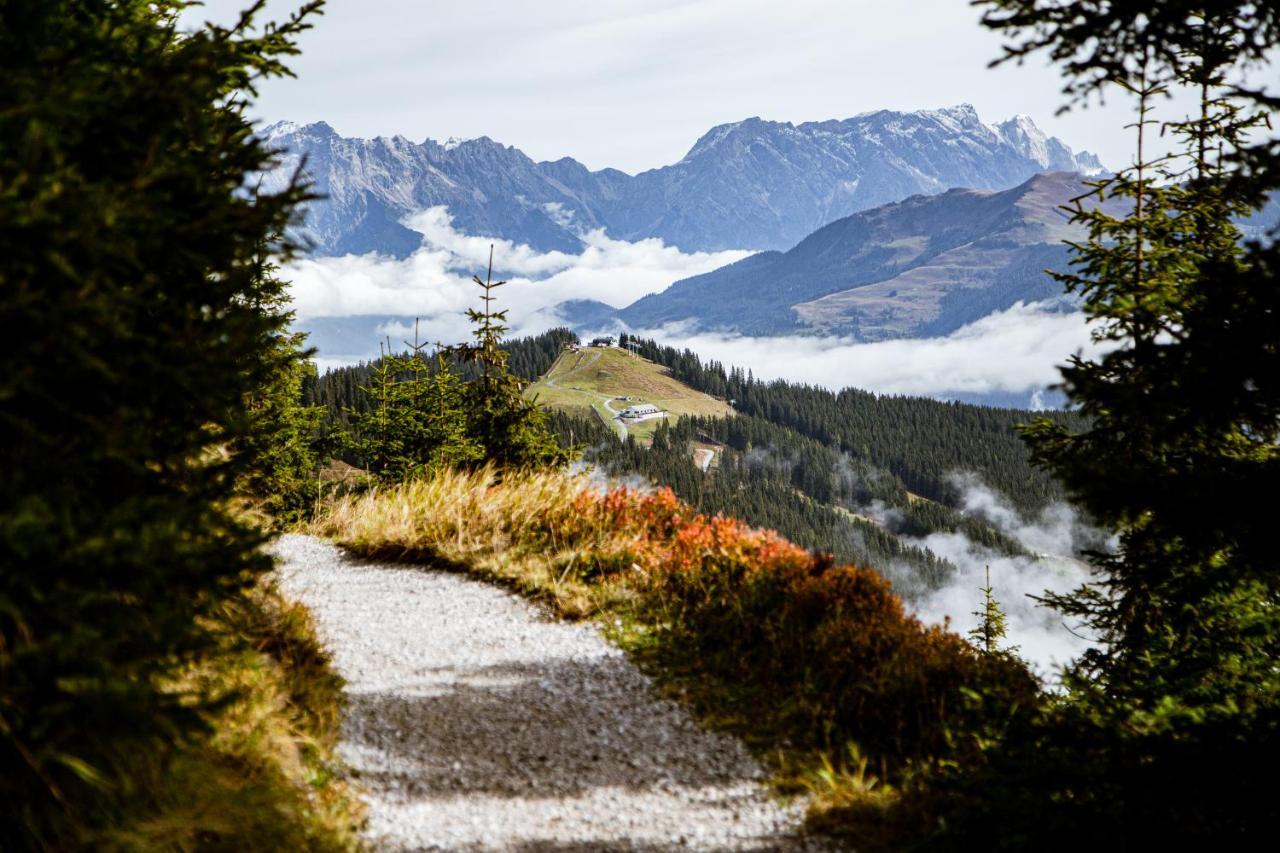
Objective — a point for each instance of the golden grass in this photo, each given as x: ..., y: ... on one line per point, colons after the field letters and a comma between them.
x: 471, y: 521
x: 264, y: 777
x: 795, y: 654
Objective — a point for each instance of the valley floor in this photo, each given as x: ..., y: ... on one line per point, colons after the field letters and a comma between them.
x: 475, y: 722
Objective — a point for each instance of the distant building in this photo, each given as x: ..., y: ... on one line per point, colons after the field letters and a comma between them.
x: 641, y: 410
x: 602, y: 342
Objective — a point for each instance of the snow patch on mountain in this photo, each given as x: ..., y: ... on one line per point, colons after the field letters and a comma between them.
x: 754, y: 184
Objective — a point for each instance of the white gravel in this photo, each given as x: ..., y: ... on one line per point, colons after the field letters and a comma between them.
x: 477, y: 723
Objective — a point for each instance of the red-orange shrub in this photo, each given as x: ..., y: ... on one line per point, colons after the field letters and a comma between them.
x: 833, y: 640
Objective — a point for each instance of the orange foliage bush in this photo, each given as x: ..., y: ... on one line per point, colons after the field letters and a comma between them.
x: 833, y: 639
x: 829, y: 649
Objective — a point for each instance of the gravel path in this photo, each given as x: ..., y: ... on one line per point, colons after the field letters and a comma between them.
x: 477, y: 723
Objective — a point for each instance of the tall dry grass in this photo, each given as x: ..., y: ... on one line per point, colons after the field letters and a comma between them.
x: 453, y: 516
x: 263, y: 776
x: 801, y: 656
x: 502, y: 527
x: 750, y: 605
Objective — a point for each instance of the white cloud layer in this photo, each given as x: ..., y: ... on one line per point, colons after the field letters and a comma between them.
x: 1017, y: 350
x: 435, y: 281
x: 1043, y: 637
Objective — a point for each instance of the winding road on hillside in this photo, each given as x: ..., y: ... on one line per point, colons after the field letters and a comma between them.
x: 608, y: 401
x: 477, y: 723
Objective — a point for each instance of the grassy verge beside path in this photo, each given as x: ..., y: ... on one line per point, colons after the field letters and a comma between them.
x: 816, y: 665
x: 263, y: 776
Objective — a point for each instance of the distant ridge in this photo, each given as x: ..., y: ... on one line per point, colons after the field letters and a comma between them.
x: 921, y: 267
x: 753, y: 184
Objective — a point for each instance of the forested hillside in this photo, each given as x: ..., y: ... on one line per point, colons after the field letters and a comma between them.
x: 856, y: 474
x: 339, y: 391
x: 919, y: 440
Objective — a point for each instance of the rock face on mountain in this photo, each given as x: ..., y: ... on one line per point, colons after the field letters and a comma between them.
x: 752, y: 184
x: 924, y: 266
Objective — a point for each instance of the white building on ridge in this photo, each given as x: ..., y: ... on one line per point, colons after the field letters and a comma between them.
x: 640, y: 410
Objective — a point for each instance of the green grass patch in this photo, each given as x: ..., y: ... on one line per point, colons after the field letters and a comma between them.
x: 581, y: 380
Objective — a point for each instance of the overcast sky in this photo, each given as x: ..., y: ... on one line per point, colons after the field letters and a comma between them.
x: 633, y: 83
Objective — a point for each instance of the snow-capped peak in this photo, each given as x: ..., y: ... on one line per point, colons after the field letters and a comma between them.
x: 1021, y: 133
x: 280, y: 128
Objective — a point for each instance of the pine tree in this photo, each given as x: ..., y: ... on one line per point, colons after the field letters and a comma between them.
x: 991, y: 629
x: 417, y: 419
x: 139, y: 324
x: 1183, y: 434
x: 512, y: 431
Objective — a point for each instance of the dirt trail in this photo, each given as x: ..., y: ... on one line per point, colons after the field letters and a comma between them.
x: 476, y: 723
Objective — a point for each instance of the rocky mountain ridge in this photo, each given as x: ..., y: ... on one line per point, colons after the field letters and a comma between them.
x: 749, y: 184
x: 920, y: 267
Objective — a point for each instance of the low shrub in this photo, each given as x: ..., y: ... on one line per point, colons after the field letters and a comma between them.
x: 827, y: 652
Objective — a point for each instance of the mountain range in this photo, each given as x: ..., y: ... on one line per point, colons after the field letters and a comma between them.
x: 921, y: 267
x: 752, y: 184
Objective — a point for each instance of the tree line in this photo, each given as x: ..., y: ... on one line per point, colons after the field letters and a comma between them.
x: 768, y: 474
x: 920, y: 441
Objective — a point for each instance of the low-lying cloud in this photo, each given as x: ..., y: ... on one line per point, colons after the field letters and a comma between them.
x: 435, y: 281
x: 1043, y: 636
x: 1013, y: 351
x: 1008, y: 357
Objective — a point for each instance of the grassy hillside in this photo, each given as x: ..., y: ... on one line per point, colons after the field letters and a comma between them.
x: 598, y: 378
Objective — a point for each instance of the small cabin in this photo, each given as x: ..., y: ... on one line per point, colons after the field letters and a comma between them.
x: 641, y: 410
x: 602, y: 342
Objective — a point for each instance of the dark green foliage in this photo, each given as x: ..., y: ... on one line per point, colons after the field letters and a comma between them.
x: 1167, y: 734
x: 920, y: 441
x: 991, y: 629
x: 510, y: 430
x: 341, y: 390
x: 828, y: 474
x: 286, y: 445
x: 287, y: 441
x: 137, y: 324
x: 416, y: 420
x: 406, y: 413
x: 1096, y: 42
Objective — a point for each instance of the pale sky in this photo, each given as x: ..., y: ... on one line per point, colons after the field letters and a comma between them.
x: 633, y: 83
